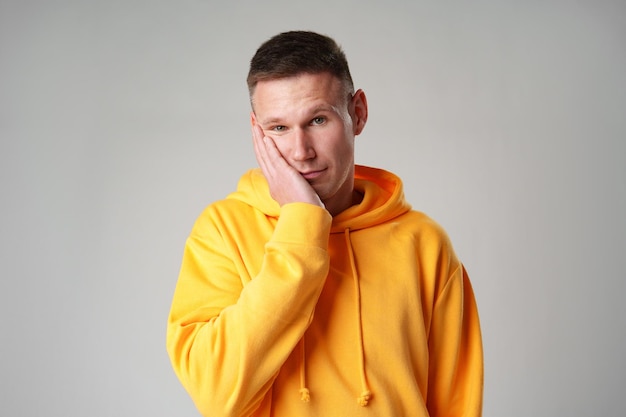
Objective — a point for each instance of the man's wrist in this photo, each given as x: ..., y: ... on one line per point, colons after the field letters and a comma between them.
x: 303, y: 223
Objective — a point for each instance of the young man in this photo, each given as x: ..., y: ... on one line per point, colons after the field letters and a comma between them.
x: 314, y: 289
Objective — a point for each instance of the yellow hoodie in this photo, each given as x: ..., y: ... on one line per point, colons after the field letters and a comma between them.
x: 290, y: 312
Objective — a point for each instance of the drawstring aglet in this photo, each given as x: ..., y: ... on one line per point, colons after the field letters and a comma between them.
x: 364, y: 399
x: 305, y: 395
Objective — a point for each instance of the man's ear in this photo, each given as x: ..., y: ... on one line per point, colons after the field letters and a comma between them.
x: 253, y: 121
x: 359, y: 111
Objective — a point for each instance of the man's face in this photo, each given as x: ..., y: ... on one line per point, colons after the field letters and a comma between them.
x: 313, y: 123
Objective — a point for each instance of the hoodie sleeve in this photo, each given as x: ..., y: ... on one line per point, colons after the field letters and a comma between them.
x: 228, y: 338
x: 455, y: 345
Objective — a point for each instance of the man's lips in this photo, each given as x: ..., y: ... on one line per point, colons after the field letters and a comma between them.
x: 309, y: 175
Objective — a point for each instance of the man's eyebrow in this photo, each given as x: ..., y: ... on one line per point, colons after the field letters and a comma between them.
x: 270, y: 120
x: 311, y: 112
x: 325, y: 107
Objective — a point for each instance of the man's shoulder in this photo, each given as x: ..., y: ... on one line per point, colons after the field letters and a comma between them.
x: 225, y: 211
x: 421, y: 224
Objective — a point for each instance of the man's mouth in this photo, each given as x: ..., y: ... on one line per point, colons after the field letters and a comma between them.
x: 310, y: 175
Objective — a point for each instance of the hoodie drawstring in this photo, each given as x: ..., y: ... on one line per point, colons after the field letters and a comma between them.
x: 305, y: 395
x: 365, y: 396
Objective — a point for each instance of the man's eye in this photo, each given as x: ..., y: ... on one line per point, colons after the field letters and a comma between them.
x: 318, y: 120
x: 278, y: 128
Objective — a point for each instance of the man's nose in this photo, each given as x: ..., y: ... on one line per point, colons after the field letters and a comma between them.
x: 302, y: 149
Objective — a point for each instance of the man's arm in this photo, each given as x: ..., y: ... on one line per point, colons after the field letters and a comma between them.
x: 456, y: 357
x: 226, y: 340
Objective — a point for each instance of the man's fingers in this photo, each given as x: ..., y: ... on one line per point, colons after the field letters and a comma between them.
x: 269, y: 157
x: 260, y: 148
x: 273, y: 154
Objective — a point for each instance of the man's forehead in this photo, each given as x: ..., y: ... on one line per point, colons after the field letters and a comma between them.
x: 308, y: 93
x: 302, y: 83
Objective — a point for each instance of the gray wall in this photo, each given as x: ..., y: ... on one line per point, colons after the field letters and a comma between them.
x: 121, y: 120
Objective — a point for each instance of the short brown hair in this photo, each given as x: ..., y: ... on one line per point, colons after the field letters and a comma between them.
x: 291, y: 53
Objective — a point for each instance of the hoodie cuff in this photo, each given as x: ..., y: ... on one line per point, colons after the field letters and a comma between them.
x: 304, y: 224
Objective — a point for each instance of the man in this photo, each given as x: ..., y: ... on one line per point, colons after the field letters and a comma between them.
x: 314, y: 289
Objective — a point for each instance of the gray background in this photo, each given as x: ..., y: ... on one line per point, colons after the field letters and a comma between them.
x: 121, y: 120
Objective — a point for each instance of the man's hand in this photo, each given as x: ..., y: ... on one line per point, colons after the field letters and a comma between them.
x: 285, y: 182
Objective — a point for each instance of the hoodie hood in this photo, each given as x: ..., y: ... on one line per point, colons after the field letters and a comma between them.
x: 383, y: 198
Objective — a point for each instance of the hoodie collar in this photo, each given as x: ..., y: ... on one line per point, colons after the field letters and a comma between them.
x: 383, y: 198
